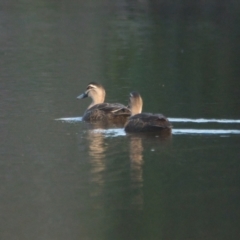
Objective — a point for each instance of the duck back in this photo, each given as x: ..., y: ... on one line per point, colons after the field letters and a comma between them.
x: 107, y: 112
x: 147, y: 122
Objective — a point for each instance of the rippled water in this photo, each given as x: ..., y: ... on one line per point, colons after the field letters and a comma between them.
x: 62, y: 178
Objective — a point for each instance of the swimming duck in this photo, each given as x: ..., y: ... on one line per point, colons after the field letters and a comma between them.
x: 144, y: 122
x: 100, y: 111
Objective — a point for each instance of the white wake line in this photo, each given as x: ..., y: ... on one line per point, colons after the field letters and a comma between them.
x: 205, y: 131
x: 120, y: 132
x: 197, y: 120
x: 204, y: 120
x: 70, y: 119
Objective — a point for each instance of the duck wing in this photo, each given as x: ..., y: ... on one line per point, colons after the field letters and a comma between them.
x: 113, y: 108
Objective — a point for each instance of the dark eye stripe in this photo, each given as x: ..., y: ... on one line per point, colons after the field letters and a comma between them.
x: 90, y: 87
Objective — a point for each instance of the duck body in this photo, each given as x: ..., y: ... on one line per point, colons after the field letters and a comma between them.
x: 144, y: 122
x: 114, y: 112
x: 147, y: 122
x: 98, y: 110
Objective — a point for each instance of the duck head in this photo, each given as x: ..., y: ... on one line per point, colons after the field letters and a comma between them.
x: 135, y: 103
x: 96, y: 92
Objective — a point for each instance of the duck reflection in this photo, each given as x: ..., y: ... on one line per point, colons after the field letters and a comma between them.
x: 97, y: 153
x: 137, y: 143
x: 100, y: 172
x: 136, y: 172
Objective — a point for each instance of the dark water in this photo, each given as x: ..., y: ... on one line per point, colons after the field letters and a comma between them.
x: 61, y: 179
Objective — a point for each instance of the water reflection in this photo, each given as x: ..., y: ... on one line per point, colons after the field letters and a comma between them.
x: 136, y: 148
x: 97, y: 153
x: 136, y: 171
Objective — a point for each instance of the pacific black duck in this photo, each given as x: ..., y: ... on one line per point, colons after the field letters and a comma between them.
x: 100, y: 111
x: 144, y: 122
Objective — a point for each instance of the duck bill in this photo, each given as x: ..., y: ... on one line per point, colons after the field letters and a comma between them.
x: 83, y: 95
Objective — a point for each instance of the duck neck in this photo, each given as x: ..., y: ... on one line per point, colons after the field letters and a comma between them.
x: 97, y: 100
x: 136, y: 110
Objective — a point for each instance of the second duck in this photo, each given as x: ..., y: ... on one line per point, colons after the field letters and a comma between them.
x: 144, y: 122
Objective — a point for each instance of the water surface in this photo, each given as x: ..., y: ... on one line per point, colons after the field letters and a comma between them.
x: 64, y: 179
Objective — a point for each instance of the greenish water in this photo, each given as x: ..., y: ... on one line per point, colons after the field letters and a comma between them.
x: 63, y: 179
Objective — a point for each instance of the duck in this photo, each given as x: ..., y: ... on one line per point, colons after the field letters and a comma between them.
x: 140, y: 122
x: 98, y: 110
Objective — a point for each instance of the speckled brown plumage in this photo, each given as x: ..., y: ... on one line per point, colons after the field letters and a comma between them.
x: 107, y: 112
x: 147, y: 122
